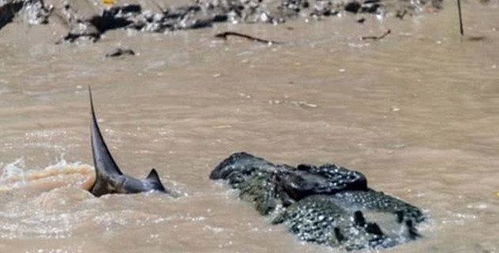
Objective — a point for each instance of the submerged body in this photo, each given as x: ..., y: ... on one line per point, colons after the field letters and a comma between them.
x: 328, y: 204
x: 109, y: 178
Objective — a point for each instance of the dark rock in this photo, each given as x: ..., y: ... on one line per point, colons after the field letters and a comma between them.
x: 220, y: 18
x: 370, y: 8
x: 83, y: 30
x: 108, y: 22
x: 36, y: 12
x: 353, y: 7
x: 125, y: 9
x: 323, y: 204
x: 198, y: 14
x: 33, y: 12
x: 8, y: 12
x: 324, y: 8
x: 117, y: 52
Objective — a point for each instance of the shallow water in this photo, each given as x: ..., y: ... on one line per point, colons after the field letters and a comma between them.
x: 416, y: 112
x: 15, y: 178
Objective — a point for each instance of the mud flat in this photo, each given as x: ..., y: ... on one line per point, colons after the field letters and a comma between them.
x: 90, y: 19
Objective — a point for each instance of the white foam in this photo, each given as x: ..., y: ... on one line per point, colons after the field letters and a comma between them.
x: 14, y: 169
x: 15, y: 175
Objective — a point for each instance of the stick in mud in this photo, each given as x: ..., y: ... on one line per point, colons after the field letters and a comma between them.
x: 377, y: 37
x: 401, y: 14
x: 224, y: 36
x: 460, y: 17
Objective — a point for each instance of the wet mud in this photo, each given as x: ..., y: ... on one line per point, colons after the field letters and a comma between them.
x: 91, y: 23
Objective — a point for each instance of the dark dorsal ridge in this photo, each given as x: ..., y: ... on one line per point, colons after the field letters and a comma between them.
x: 153, y: 177
x: 109, y: 177
x: 102, y: 157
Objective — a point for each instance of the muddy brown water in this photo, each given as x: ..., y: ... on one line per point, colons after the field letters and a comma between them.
x: 417, y: 113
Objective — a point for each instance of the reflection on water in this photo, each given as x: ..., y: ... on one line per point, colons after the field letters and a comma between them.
x: 416, y: 112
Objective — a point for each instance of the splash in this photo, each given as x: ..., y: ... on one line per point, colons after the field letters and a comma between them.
x: 14, y: 170
x: 16, y: 177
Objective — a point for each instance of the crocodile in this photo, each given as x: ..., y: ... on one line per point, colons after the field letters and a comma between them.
x: 326, y: 204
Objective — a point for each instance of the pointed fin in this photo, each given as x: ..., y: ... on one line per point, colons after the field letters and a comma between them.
x: 153, y: 178
x: 105, y: 166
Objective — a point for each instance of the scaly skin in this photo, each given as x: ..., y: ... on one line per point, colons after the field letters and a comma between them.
x: 328, y: 204
x: 260, y: 189
x: 319, y: 219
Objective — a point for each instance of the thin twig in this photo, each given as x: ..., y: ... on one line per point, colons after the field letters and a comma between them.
x: 377, y: 37
x: 159, y: 6
x: 460, y: 17
x: 401, y: 14
x: 224, y: 36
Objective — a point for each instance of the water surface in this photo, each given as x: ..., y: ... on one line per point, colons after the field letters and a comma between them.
x: 416, y: 112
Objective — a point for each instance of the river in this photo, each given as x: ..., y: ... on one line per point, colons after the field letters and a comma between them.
x: 417, y: 112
